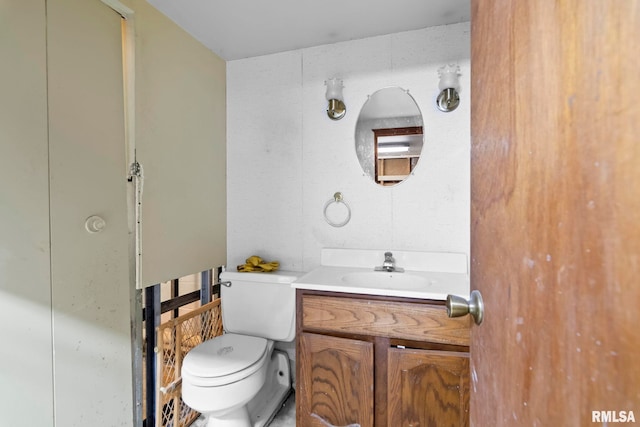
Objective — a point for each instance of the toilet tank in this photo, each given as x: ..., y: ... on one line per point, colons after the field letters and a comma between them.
x: 260, y: 304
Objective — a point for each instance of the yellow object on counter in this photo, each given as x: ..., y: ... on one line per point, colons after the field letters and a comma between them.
x: 256, y: 264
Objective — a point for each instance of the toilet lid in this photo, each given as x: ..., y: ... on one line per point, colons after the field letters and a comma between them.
x: 224, y: 355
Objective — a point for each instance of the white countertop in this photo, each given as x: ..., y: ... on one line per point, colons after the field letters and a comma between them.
x: 428, y: 284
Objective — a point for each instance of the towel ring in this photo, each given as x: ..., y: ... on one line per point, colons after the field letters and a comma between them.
x: 337, y: 198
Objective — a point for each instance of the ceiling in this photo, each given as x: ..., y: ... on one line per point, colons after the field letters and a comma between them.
x: 236, y: 29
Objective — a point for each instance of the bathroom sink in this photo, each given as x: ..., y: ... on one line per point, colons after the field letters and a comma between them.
x: 427, y: 275
x: 435, y: 285
x: 385, y: 280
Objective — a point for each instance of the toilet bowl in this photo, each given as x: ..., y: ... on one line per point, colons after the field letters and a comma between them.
x: 238, y: 379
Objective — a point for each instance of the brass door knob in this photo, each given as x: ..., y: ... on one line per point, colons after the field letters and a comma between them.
x: 458, y: 306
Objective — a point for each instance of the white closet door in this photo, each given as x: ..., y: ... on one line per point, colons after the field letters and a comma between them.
x: 26, y: 375
x: 181, y: 144
x: 90, y: 271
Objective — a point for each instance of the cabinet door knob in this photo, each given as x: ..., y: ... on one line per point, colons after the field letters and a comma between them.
x: 458, y: 306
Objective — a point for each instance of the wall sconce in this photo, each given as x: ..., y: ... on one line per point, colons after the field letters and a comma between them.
x: 448, y: 100
x: 336, y: 108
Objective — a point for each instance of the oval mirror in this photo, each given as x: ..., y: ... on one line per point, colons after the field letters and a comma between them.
x: 389, y: 136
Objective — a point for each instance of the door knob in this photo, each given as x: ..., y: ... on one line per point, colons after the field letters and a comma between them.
x: 458, y: 306
x: 95, y: 224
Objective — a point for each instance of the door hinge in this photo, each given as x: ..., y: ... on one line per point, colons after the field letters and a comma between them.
x: 134, y: 170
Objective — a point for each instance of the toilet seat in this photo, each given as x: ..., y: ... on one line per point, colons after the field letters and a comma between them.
x: 225, y: 359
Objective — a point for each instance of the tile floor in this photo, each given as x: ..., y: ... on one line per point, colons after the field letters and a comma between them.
x: 286, y: 417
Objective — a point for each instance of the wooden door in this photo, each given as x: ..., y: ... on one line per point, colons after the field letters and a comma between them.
x: 428, y: 388
x: 555, y: 234
x: 337, y: 379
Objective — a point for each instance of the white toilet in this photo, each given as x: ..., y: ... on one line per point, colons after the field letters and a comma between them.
x: 238, y: 379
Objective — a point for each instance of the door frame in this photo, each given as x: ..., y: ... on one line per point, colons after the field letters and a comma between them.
x: 134, y: 194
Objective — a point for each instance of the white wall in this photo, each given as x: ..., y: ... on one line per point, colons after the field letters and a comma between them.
x: 286, y: 158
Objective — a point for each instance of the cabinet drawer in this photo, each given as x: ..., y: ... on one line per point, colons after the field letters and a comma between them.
x: 410, y: 321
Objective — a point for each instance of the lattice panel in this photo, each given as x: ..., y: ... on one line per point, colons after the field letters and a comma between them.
x: 175, y: 338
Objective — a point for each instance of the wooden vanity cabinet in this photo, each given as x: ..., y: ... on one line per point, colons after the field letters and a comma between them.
x: 377, y: 362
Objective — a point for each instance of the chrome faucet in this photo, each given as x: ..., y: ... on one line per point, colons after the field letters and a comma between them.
x: 389, y: 264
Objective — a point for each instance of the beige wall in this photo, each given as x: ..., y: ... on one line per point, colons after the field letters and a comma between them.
x: 64, y: 317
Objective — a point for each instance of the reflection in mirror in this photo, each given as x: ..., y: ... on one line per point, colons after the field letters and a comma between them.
x: 389, y: 136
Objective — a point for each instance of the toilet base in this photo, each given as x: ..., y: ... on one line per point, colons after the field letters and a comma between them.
x: 238, y: 418
x: 275, y: 391
x: 265, y: 405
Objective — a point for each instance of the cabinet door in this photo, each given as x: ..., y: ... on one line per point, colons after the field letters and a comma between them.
x: 428, y: 388
x: 335, y: 386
